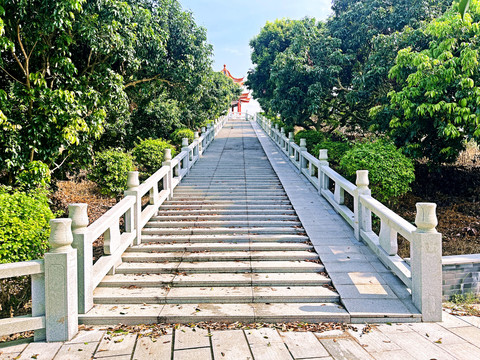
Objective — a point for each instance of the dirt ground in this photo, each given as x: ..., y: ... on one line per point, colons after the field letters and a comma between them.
x: 456, y: 191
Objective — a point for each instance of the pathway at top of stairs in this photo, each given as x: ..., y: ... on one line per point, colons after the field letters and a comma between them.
x: 228, y: 246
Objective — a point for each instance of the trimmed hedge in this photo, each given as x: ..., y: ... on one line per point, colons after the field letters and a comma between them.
x: 313, y: 137
x: 149, y: 155
x: 111, y: 171
x: 24, y: 225
x: 336, y: 150
x: 179, y: 134
x: 390, y: 171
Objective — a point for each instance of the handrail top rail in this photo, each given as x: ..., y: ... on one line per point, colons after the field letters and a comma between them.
x: 395, y: 221
x: 22, y: 268
x: 339, y: 179
x: 104, y: 222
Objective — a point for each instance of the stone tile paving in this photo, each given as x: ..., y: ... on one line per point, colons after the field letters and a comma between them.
x: 359, y: 277
x: 457, y: 337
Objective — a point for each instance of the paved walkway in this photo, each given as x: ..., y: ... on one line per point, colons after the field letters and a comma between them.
x: 454, y: 338
x: 368, y: 290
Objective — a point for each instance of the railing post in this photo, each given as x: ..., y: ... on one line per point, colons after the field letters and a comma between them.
x: 186, y: 160
x: 363, y: 216
x: 133, y: 182
x: 291, y: 140
x: 282, y: 134
x: 168, y: 162
x: 303, y: 147
x: 195, y: 140
x: 61, y: 302
x: 426, y: 263
x: 323, y: 180
x: 81, y: 242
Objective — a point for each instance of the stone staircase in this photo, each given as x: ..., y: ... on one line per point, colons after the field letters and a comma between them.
x: 227, y: 247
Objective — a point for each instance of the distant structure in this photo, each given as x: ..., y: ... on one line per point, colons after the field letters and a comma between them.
x: 244, y: 97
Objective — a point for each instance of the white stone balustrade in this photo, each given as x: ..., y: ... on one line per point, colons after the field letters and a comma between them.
x: 63, y: 282
x: 424, y: 273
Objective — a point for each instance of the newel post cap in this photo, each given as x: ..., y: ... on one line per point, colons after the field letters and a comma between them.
x: 362, y: 181
x: 203, y: 129
x: 184, y: 142
x: 61, y: 237
x: 133, y: 180
x: 290, y: 136
x: 303, y: 142
x: 196, y: 135
x: 79, y: 215
x: 426, y: 218
x: 167, y: 154
x: 282, y: 130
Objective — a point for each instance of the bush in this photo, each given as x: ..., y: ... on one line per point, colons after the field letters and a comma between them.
x: 313, y: 137
x: 179, y: 134
x: 390, y: 172
x: 110, y: 171
x: 149, y: 153
x: 336, y: 150
x: 24, y: 225
x: 36, y: 175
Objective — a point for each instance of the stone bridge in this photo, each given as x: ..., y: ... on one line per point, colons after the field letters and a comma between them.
x: 243, y: 225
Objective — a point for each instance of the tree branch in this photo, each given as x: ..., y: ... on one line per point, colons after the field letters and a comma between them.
x: 12, y: 76
x: 156, y: 77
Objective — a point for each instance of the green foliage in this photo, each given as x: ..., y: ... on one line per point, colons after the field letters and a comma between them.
x: 313, y: 137
x: 110, y: 171
x: 435, y: 106
x: 24, y: 225
x: 336, y: 150
x: 81, y: 76
x: 463, y: 7
x: 35, y: 175
x: 390, y: 172
x: 149, y: 154
x: 179, y: 134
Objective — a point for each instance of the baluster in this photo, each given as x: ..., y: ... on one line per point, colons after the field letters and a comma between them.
x: 363, y: 216
x: 387, y: 237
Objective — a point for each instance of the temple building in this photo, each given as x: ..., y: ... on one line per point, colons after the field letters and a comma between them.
x: 244, y: 97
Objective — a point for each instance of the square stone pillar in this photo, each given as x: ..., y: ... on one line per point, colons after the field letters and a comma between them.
x: 61, y: 304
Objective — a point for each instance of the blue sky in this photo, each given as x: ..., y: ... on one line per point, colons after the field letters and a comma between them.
x: 231, y: 24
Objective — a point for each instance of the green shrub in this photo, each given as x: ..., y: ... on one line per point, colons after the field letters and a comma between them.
x: 149, y: 153
x: 36, y: 175
x: 313, y: 137
x: 111, y: 170
x: 179, y: 134
x: 24, y: 225
x: 336, y: 150
x: 390, y: 172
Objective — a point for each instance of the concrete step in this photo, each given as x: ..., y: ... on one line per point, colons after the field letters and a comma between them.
x: 227, y: 212
x: 219, y: 256
x: 213, y: 280
x: 173, y: 267
x: 228, y: 206
x: 252, y: 224
x: 222, y: 295
x: 217, y: 217
x: 221, y: 230
x: 226, y: 238
x: 245, y: 246
x: 229, y: 198
x: 134, y: 314
x: 255, y: 202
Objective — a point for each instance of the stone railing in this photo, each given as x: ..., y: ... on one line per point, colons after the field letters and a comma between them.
x: 63, y: 282
x: 423, y: 272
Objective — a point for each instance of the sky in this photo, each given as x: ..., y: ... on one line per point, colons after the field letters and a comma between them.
x: 231, y: 24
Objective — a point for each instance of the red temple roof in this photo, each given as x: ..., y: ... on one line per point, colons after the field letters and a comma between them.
x: 227, y: 73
